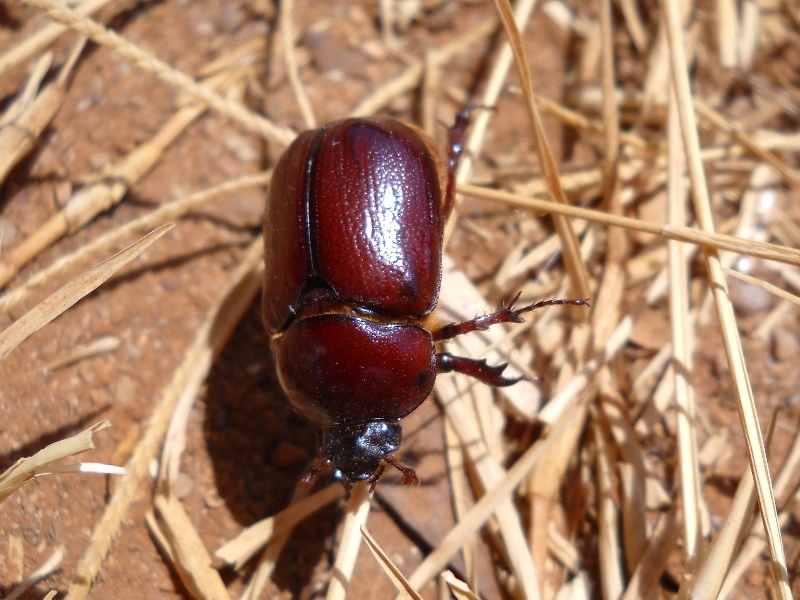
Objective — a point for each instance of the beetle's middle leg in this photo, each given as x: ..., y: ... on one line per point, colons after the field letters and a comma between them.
x: 479, y: 369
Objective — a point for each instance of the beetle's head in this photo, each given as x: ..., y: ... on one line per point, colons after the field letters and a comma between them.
x: 357, y: 451
x: 360, y: 452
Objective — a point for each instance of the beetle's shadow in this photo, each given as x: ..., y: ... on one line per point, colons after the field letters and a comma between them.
x: 259, y: 448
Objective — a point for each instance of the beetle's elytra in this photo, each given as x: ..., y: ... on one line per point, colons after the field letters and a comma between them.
x: 353, y: 233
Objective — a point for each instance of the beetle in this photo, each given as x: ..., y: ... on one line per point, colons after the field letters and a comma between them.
x: 353, y: 232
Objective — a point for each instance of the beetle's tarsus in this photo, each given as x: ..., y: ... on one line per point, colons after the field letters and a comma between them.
x: 409, y: 475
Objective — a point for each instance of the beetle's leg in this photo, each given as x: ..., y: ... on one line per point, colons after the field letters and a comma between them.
x: 409, y: 475
x: 479, y: 369
x: 455, y: 140
x: 506, y: 314
x: 323, y: 463
x: 372, y: 480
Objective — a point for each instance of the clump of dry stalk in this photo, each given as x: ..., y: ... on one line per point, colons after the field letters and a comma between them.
x: 595, y: 425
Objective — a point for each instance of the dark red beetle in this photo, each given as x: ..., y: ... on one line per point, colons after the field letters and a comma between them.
x: 353, y: 244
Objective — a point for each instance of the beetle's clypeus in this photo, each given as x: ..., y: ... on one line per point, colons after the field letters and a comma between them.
x: 353, y: 233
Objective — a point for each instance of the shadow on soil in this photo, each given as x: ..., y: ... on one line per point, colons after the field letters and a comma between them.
x: 260, y: 447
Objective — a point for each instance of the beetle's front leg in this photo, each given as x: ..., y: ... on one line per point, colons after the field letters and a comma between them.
x: 320, y: 464
x: 506, y: 314
x: 409, y: 475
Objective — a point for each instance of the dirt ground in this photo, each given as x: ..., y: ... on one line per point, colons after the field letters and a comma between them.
x: 246, y: 447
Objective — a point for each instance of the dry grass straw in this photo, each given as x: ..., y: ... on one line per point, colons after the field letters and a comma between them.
x: 288, y: 41
x: 268, y: 560
x: 753, y: 545
x: 98, y: 197
x: 492, y: 90
x: 747, y: 141
x: 458, y: 588
x: 61, y: 300
x: 575, y: 266
x: 394, y: 573
x: 210, y: 338
x: 43, y: 572
x: 177, y: 538
x: 355, y: 519
x: 156, y: 218
x: 467, y: 427
x: 772, y: 289
x: 722, y: 302
x: 42, y: 463
x: 489, y: 503
x: 589, y: 420
x: 412, y: 76
x: 26, y: 118
x: 459, y: 485
x: 251, y: 540
x: 100, y: 346
x: 682, y: 345
x: 609, y: 545
x: 653, y: 561
x: 710, y: 240
x: 58, y: 11
x: 36, y: 43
